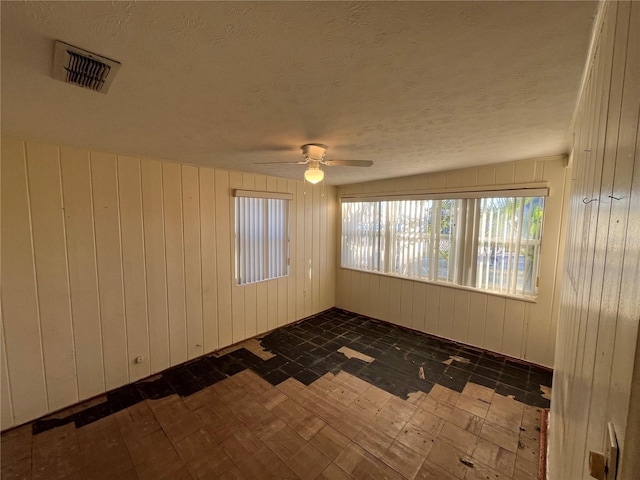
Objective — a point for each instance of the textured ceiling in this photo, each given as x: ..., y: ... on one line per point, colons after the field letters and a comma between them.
x: 414, y: 86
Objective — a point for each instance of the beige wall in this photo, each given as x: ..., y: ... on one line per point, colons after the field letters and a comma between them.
x: 514, y: 327
x: 107, y: 257
x: 600, y: 310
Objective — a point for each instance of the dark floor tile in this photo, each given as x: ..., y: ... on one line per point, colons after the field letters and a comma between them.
x: 457, y: 372
x: 354, y: 366
x: 245, y: 357
x: 291, y: 368
x: 541, y: 377
x: 454, y: 383
x: 536, y: 400
x: 480, y: 380
x: 186, y: 388
x: 124, y: 397
x: 92, y: 414
x: 491, y: 362
x: 508, y: 390
x: 309, y: 358
x: 307, y: 377
x: 516, y: 364
x: 515, y: 371
x: 276, y: 377
x: 200, y: 367
x: 433, y: 366
x: 155, y: 389
x: 40, y: 426
x: 210, y: 378
x: 517, y: 382
x: 487, y: 372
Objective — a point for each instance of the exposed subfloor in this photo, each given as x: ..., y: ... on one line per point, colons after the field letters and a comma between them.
x: 336, y: 396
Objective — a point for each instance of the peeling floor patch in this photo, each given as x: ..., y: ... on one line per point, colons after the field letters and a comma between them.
x: 351, y: 353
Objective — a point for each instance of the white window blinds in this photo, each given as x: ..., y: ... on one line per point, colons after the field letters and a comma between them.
x: 261, y: 236
x: 487, y: 243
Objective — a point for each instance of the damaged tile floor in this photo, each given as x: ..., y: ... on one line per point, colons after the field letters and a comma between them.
x: 336, y: 396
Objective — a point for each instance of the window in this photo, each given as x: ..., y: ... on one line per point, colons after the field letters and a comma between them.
x: 490, y: 243
x: 261, y: 235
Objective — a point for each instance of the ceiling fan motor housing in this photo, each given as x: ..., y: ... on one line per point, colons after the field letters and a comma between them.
x: 314, y: 151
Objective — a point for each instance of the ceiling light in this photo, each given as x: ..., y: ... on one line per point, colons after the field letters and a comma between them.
x: 313, y: 174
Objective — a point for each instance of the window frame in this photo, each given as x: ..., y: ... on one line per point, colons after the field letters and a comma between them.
x: 254, y: 232
x: 468, y: 260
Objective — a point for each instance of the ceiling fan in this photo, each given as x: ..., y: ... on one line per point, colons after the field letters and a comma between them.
x: 314, y: 154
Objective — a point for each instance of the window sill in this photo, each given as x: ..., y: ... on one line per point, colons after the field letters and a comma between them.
x: 448, y: 285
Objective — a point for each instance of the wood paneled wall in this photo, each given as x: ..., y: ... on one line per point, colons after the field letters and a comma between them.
x: 600, y: 310
x: 107, y: 257
x: 518, y: 328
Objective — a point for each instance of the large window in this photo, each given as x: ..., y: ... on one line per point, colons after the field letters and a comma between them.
x: 490, y: 243
x: 261, y: 236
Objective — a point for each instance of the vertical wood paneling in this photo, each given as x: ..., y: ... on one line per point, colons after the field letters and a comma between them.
x: 139, y: 256
x: 155, y: 264
x: 505, y: 173
x: 438, y: 180
x: 192, y: 260
x: 513, y: 328
x: 395, y: 292
x: 83, y: 275
x: 47, y: 224
x: 293, y: 239
x: 332, y: 246
x: 461, y: 317
x: 250, y: 291
x: 262, y: 292
x: 469, y: 177
x: 308, y: 248
x: 477, y: 319
x: 315, y: 249
x: 133, y: 267
x: 406, y: 303
x: 598, y: 329
x: 445, y: 312
x: 208, y: 259
x: 104, y: 183
x: 487, y: 175
x: 283, y: 282
x: 223, y: 258
x: 174, y: 250
x: 272, y: 285
x: 418, y: 309
x: 374, y: 295
x: 6, y: 412
x: 384, y: 298
x: 525, y: 172
x: 494, y: 329
x: 620, y: 327
x: 237, y: 292
x: 325, y: 237
x: 21, y: 320
x: 272, y: 304
x: 453, y: 179
x: 300, y: 264
x: 432, y: 309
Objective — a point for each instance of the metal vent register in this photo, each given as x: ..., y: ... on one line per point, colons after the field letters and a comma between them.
x: 85, y: 69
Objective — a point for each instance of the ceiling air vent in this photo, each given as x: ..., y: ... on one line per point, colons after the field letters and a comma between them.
x: 85, y: 69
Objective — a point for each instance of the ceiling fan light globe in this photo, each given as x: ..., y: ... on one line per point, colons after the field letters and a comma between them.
x: 313, y: 175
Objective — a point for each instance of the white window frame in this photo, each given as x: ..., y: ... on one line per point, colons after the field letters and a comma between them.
x: 262, y: 235
x: 465, y: 264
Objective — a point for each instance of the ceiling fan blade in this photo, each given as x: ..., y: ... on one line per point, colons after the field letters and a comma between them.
x: 280, y: 163
x: 348, y: 163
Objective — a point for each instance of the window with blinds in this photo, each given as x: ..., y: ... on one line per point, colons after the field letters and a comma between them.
x: 490, y: 243
x: 261, y: 236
